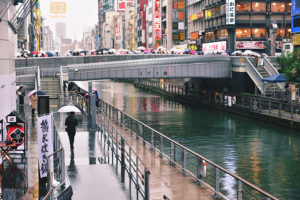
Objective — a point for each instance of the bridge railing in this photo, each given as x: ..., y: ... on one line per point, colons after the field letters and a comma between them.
x: 222, y: 182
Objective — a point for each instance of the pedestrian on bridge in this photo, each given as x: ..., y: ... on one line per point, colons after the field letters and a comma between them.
x: 71, y: 123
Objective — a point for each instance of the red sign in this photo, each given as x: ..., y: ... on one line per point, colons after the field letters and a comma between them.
x: 117, y: 30
x: 130, y: 2
x: 200, y: 15
x: 175, y: 4
x: 180, y: 15
x: 120, y: 5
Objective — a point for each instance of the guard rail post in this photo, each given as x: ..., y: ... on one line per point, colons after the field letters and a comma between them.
x: 147, y: 193
x: 217, y: 187
x: 260, y: 105
x: 184, y: 161
x: 292, y: 112
x: 269, y: 107
x: 172, y: 155
x: 140, y: 131
x: 240, y: 190
x: 137, y: 186
x: 161, y: 147
x: 122, y: 160
x: 152, y: 141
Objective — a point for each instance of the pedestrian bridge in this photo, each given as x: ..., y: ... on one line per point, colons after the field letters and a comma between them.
x: 115, y: 67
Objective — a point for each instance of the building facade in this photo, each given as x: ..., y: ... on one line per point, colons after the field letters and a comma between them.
x: 239, y: 25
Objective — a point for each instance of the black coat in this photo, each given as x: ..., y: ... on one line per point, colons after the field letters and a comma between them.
x: 71, y: 123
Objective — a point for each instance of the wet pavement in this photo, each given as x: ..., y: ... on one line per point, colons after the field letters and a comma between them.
x: 90, y: 177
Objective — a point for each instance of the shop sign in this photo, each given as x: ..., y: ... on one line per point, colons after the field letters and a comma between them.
x: 130, y: 2
x: 181, y: 36
x: 194, y: 35
x: 180, y: 25
x: 117, y: 30
x: 296, y: 39
x: 176, y: 36
x: 120, y: 5
x: 200, y: 15
x: 250, y: 45
x: 230, y: 12
x: 175, y: 25
x: 180, y: 15
x: 279, y: 45
x: 180, y: 4
x: 214, y: 46
x: 175, y: 4
x: 193, y: 17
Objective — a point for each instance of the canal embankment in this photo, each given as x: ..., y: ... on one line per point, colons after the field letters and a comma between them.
x: 269, y: 110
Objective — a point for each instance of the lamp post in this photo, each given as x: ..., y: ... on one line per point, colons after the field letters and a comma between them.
x: 123, y: 24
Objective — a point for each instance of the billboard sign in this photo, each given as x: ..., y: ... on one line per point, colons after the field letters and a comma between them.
x: 214, y: 46
x: 295, y: 24
x: 120, y: 5
x: 250, y: 45
x: 295, y: 7
x: 230, y: 12
x: 58, y: 9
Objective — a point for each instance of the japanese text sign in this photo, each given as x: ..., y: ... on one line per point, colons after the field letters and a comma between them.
x: 45, y: 144
x: 230, y: 11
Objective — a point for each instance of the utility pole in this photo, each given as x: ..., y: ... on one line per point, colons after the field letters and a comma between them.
x: 100, y: 23
x: 123, y: 20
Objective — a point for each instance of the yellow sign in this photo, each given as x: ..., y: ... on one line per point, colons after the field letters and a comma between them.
x: 58, y: 8
x: 296, y: 39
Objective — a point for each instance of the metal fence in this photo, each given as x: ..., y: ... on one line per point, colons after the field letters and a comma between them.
x: 222, y: 182
x: 131, y: 166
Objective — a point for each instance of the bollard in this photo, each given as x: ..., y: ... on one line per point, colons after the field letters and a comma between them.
x: 199, y: 174
x: 92, y: 108
x: 122, y: 160
x: 147, y: 193
x: 172, y: 155
x: 184, y: 161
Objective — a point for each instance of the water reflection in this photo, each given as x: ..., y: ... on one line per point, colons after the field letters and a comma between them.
x: 72, y: 169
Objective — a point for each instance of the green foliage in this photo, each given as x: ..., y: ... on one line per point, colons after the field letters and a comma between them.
x: 292, y: 72
x: 290, y: 65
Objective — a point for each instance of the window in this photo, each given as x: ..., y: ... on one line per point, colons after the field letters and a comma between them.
x: 243, y: 7
x: 280, y: 33
x: 209, y: 36
x: 222, y: 34
x: 243, y: 32
x: 277, y: 7
x: 288, y: 7
x: 258, y: 7
x: 258, y: 33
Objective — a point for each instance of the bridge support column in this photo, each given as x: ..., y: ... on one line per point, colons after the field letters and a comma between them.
x: 92, y: 109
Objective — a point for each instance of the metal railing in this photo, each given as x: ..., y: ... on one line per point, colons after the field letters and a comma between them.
x: 136, y: 171
x: 290, y: 111
x: 190, y: 162
x: 272, y: 71
x: 57, y: 173
x: 255, y: 76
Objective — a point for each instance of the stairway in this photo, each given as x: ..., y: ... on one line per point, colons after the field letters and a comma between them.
x: 51, y: 86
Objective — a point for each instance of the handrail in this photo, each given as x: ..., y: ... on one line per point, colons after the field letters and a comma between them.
x: 272, y: 71
x: 184, y: 149
x: 255, y: 76
x: 117, y: 143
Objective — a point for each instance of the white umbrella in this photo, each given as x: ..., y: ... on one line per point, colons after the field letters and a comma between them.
x: 140, y: 48
x: 66, y: 109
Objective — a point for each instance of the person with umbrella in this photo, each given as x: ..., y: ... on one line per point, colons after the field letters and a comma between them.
x: 71, y: 123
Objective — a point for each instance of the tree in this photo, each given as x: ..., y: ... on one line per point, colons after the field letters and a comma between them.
x: 290, y: 65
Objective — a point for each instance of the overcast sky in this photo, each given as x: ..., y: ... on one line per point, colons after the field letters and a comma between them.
x: 80, y: 14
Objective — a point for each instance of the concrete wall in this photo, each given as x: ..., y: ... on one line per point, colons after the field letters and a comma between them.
x: 7, y: 73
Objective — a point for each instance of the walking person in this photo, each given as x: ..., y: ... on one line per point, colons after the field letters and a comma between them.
x: 33, y: 100
x: 71, y: 123
x: 21, y: 93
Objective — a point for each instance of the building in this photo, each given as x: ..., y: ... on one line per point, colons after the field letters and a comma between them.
x: 65, y: 45
x: 141, y: 25
x: 60, y: 30
x: 47, y: 39
x: 257, y: 25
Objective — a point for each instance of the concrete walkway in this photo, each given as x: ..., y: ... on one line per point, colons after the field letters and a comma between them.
x: 89, y: 178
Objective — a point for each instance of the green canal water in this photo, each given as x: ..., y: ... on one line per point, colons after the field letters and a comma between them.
x: 265, y: 154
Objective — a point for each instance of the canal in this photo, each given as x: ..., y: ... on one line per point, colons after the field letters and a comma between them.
x: 265, y: 154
